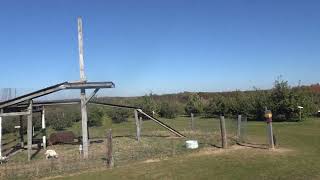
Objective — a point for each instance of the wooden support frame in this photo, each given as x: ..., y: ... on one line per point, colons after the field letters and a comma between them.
x: 91, y: 95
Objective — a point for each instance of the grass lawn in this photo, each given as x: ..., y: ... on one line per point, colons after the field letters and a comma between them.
x: 298, y: 156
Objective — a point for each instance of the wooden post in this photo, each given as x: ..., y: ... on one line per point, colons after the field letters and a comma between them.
x: 270, y: 135
x: 268, y: 116
x: 137, y: 125
x: 29, y: 130
x: 239, y: 127
x: 43, y: 122
x: 140, y: 125
x: 80, y: 40
x: 192, y: 122
x: 21, y: 132
x: 223, y: 132
x: 110, y: 161
x: 1, y: 133
x: 84, y: 120
x: 84, y: 116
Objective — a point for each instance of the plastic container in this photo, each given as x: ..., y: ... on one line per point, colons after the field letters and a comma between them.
x: 192, y: 144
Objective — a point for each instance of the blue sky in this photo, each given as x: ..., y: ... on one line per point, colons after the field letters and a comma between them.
x: 162, y: 46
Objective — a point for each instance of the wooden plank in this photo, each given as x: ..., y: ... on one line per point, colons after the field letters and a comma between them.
x: 92, y: 94
x: 14, y: 114
x: 162, y: 124
x: 223, y: 132
x: 29, y: 131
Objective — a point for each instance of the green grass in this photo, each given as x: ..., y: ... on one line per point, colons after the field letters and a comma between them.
x: 298, y: 157
x: 161, y: 156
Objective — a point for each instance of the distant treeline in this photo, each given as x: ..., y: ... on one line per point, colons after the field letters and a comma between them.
x: 282, y: 100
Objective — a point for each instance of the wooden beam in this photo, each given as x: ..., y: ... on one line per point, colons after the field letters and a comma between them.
x: 92, y: 94
x: 14, y: 114
x: 84, y: 122
x: 29, y: 131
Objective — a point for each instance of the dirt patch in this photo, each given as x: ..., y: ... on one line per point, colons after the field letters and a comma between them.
x: 151, y: 160
x: 217, y: 151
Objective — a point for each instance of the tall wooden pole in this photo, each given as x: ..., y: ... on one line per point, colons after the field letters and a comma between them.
x: 1, y: 133
x: 80, y: 40
x: 223, y: 132
x: 43, y: 123
x: 137, y: 124
x: 29, y: 130
x: 84, y: 116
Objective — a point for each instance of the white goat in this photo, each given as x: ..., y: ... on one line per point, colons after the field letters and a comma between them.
x: 51, y: 154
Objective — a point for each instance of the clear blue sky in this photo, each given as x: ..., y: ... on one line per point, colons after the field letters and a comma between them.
x: 161, y: 46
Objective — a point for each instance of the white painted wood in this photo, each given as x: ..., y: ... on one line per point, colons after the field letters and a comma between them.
x: 270, y: 135
x: 43, y: 123
x: 80, y: 40
x: 84, y: 120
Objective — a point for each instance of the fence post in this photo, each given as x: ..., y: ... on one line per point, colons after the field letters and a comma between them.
x: 268, y: 116
x: 110, y: 162
x: 137, y: 124
x: 192, y: 122
x: 223, y: 132
x: 239, y: 127
x: 140, y: 125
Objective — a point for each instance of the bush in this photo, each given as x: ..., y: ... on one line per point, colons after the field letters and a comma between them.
x: 168, y: 110
x: 194, y: 104
x: 95, y: 117
x: 119, y: 115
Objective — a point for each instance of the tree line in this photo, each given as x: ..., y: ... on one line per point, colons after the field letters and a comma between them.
x: 283, y: 100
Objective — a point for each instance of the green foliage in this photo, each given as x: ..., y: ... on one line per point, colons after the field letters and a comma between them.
x: 119, y: 115
x: 168, y: 110
x: 95, y: 116
x: 148, y: 104
x: 194, y: 104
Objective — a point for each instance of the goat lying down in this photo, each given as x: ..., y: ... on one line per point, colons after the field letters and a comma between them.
x: 51, y: 154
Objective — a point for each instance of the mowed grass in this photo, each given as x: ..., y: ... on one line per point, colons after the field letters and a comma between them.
x: 297, y: 157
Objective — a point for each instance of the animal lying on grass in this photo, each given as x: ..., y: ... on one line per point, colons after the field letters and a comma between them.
x: 51, y: 154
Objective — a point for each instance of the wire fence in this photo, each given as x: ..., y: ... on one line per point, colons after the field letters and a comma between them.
x: 156, y: 143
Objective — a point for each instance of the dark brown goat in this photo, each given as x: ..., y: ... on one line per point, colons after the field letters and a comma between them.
x: 65, y: 137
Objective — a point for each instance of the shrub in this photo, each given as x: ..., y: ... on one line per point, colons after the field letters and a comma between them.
x: 194, y: 104
x: 119, y: 115
x: 168, y: 110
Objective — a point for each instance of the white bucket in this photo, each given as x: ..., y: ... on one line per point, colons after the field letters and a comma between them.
x: 192, y: 144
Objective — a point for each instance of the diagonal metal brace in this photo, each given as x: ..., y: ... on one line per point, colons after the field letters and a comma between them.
x: 91, y: 95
